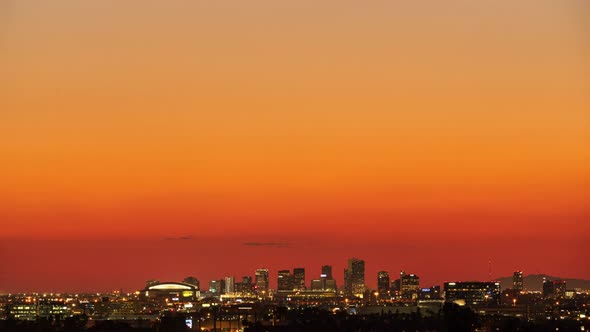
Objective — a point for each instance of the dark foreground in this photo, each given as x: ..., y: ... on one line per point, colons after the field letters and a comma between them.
x: 451, y: 318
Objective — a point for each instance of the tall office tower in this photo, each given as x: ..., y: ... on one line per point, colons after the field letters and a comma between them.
x: 409, y: 285
x: 247, y: 280
x: 230, y: 283
x: 284, y: 281
x: 299, y: 278
x: 192, y: 281
x: 261, y: 280
x: 354, y: 277
x: 327, y: 271
x: 327, y: 281
x: 383, y: 284
x: 215, y: 287
x: 517, y: 281
x: 548, y: 288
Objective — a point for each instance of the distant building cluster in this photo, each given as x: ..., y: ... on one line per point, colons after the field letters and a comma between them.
x: 240, y: 297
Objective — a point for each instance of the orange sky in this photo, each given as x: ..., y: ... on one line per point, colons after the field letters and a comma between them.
x: 261, y: 119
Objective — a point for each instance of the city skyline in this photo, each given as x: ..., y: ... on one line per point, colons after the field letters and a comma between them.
x: 264, y: 279
x: 145, y: 140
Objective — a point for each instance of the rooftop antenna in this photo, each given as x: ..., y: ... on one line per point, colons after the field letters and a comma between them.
x: 490, y: 269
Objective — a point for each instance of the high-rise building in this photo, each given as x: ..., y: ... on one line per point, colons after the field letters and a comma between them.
x: 327, y: 281
x: 354, y: 277
x: 244, y: 287
x: 409, y: 285
x: 230, y: 285
x: 517, y: 281
x: 327, y: 271
x: 473, y: 292
x: 192, y: 281
x: 299, y: 278
x: 247, y: 280
x: 383, y: 283
x: 261, y: 280
x: 215, y: 287
x: 285, y: 281
x: 548, y: 289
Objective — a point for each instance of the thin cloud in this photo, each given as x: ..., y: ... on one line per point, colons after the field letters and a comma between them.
x: 180, y: 238
x: 266, y: 244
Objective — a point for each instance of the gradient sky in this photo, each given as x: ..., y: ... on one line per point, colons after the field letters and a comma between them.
x: 150, y: 139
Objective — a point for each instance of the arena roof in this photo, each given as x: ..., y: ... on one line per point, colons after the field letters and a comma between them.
x: 171, y: 285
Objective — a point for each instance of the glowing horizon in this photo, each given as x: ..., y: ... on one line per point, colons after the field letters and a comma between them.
x: 260, y: 120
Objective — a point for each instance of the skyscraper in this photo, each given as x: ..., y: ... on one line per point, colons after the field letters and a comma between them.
x: 325, y: 283
x: 230, y: 283
x: 548, y: 288
x: 409, y: 285
x: 215, y: 287
x: 354, y: 277
x: 261, y: 280
x: 284, y: 281
x: 383, y: 284
x: 517, y: 281
x: 299, y: 278
x: 327, y: 271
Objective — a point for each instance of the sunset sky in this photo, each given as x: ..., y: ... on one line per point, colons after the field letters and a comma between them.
x: 160, y: 139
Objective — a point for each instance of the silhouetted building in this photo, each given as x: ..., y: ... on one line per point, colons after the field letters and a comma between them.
x: 354, y: 277
x: 473, y: 292
x: 284, y: 281
x: 517, y: 281
x: 217, y: 287
x: 325, y: 283
x: 383, y: 283
x: 319, y: 289
x: 327, y: 271
x: 548, y: 289
x: 299, y: 278
x: 245, y: 287
x: 261, y: 280
x: 409, y: 285
x: 328, y: 283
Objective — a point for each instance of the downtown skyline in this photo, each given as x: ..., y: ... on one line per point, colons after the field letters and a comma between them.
x: 129, y: 281
x: 160, y: 140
